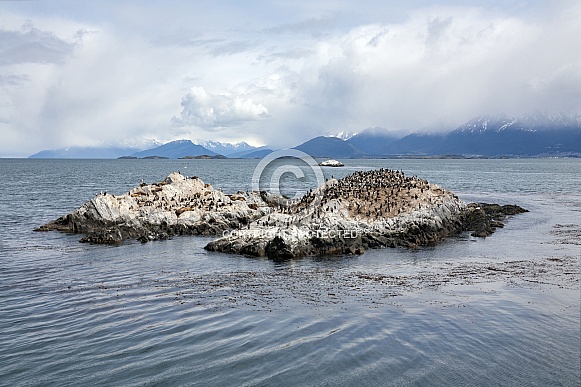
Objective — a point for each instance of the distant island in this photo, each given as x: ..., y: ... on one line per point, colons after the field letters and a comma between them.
x: 143, y: 158
x: 203, y: 157
x: 500, y: 136
x: 200, y: 157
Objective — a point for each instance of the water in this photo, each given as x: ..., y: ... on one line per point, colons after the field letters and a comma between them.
x: 503, y: 310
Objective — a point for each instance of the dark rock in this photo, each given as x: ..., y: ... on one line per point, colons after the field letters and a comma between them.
x: 483, y: 218
x: 277, y: 248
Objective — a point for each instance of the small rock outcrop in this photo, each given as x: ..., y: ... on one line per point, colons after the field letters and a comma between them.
x: 175, y: 206
x: 483, y: 219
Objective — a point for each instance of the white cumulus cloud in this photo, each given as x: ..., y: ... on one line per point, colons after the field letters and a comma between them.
x: 217, y: 111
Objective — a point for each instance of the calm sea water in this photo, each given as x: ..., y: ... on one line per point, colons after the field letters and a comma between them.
x: 170, y: 313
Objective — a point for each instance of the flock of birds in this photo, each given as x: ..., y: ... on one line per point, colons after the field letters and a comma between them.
x: 207, y: 200
x: 376, y: 194
x: 367, y: 195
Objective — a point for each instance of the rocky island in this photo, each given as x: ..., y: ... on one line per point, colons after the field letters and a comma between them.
x: 372, y: 209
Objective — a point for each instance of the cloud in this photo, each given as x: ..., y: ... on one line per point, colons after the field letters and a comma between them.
x: 276, y: 73
x: 232, y: 47
x: 285, y: 55
x: 441, y: 63
x: 109, y: 88
x: 13, y: 79
x: 315, y: 27
x: 31, y: 45
x: 217, y: 111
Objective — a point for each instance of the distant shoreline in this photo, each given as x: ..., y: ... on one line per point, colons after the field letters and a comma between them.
x: 391, y: 157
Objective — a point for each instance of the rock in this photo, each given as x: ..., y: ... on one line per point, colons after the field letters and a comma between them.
x: 331, y: 163
x: 372, y: 209
x: 483, y: 218
x: 350, y: 215
x: 176, y: 206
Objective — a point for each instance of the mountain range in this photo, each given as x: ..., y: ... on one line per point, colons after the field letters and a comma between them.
x: 536, y: 135
x: 105, y: 151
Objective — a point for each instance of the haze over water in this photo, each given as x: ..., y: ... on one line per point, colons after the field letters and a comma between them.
x: 501, y: 310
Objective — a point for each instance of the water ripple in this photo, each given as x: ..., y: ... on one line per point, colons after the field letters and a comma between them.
x: 504, y: 310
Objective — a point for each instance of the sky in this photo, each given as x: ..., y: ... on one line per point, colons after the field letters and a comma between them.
x: 86, y: 73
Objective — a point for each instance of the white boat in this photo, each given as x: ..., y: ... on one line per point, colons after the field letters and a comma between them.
x: 331, y: 163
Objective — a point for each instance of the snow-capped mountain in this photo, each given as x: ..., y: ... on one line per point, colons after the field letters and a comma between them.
x: 486, y: 135
x: 485, y: 123
x: 140, y: 143
x: 343, y: 135
x: 225, y: 149
x: 528, y: 123
x: 546, y: 121
x: 534, y: 134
